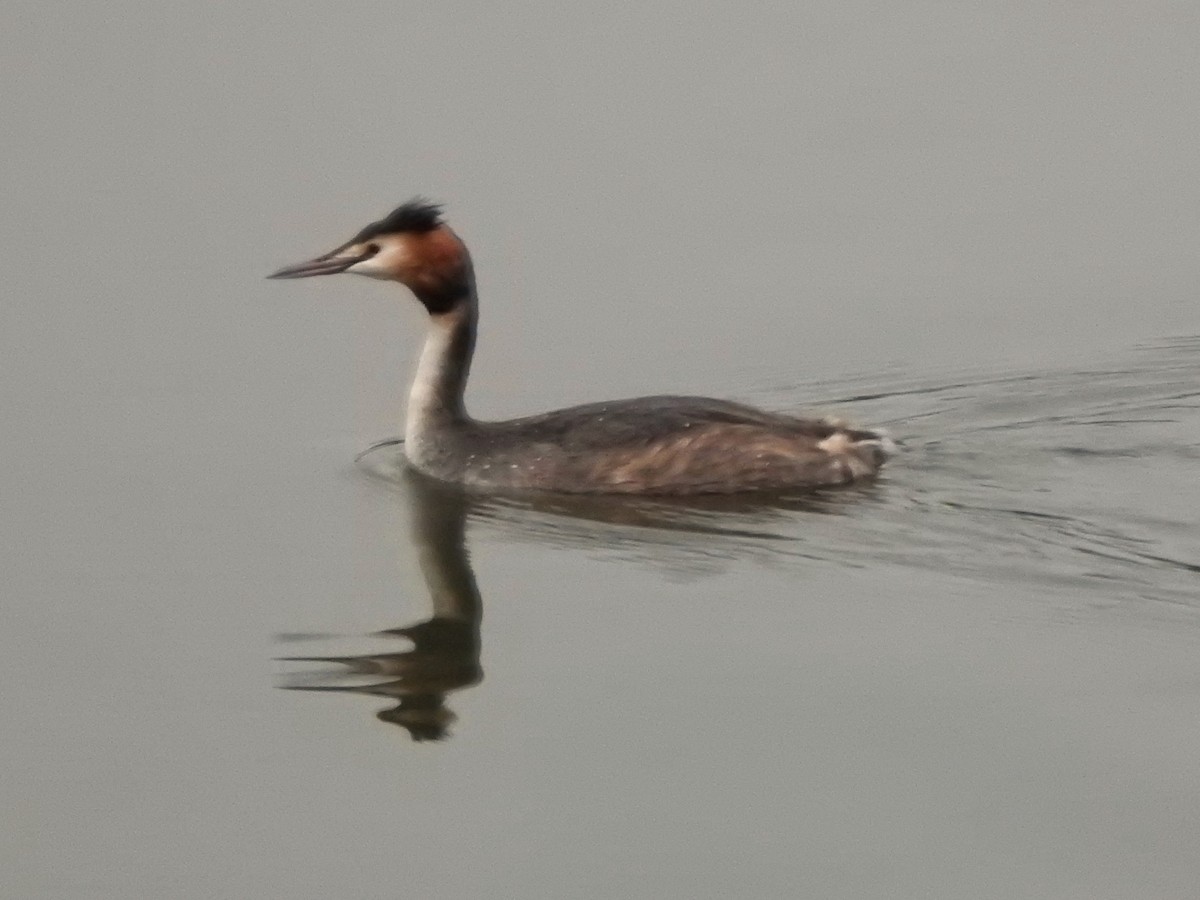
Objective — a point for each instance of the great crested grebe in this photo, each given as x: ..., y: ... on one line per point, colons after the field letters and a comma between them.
x: 651, y: 445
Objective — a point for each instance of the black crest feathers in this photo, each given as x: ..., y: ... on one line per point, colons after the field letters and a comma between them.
x: 418, y: 214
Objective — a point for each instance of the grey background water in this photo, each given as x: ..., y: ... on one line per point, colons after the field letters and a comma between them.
x: 978, y: 224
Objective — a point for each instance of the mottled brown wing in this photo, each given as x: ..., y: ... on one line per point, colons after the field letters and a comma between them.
x: 718, y: 457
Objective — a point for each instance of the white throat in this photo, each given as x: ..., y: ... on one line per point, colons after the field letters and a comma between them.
x: 435, y: 400
x: 425, y: 399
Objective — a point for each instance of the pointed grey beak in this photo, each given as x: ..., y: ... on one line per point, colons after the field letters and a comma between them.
x: 329, y: 264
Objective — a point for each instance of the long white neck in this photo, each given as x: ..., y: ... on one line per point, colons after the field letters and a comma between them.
x: 435, y: 400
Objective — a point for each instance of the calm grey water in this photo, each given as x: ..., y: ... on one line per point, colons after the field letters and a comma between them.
x: 238, y: 664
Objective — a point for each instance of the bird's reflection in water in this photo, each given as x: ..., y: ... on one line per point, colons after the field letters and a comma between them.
x: 444, y: 652
x: 444, y: 655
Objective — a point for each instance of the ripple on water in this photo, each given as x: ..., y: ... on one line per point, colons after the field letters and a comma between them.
x: 1074, y: 477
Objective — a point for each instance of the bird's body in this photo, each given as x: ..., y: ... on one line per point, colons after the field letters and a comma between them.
x: 649, y: 445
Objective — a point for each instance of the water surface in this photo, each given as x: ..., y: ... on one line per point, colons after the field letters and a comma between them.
x: 976, y: 678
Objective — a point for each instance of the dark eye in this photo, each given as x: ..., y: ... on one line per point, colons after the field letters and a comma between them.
x: 372, y: 249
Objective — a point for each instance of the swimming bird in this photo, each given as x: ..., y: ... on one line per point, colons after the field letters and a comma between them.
x: 650, y: 445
